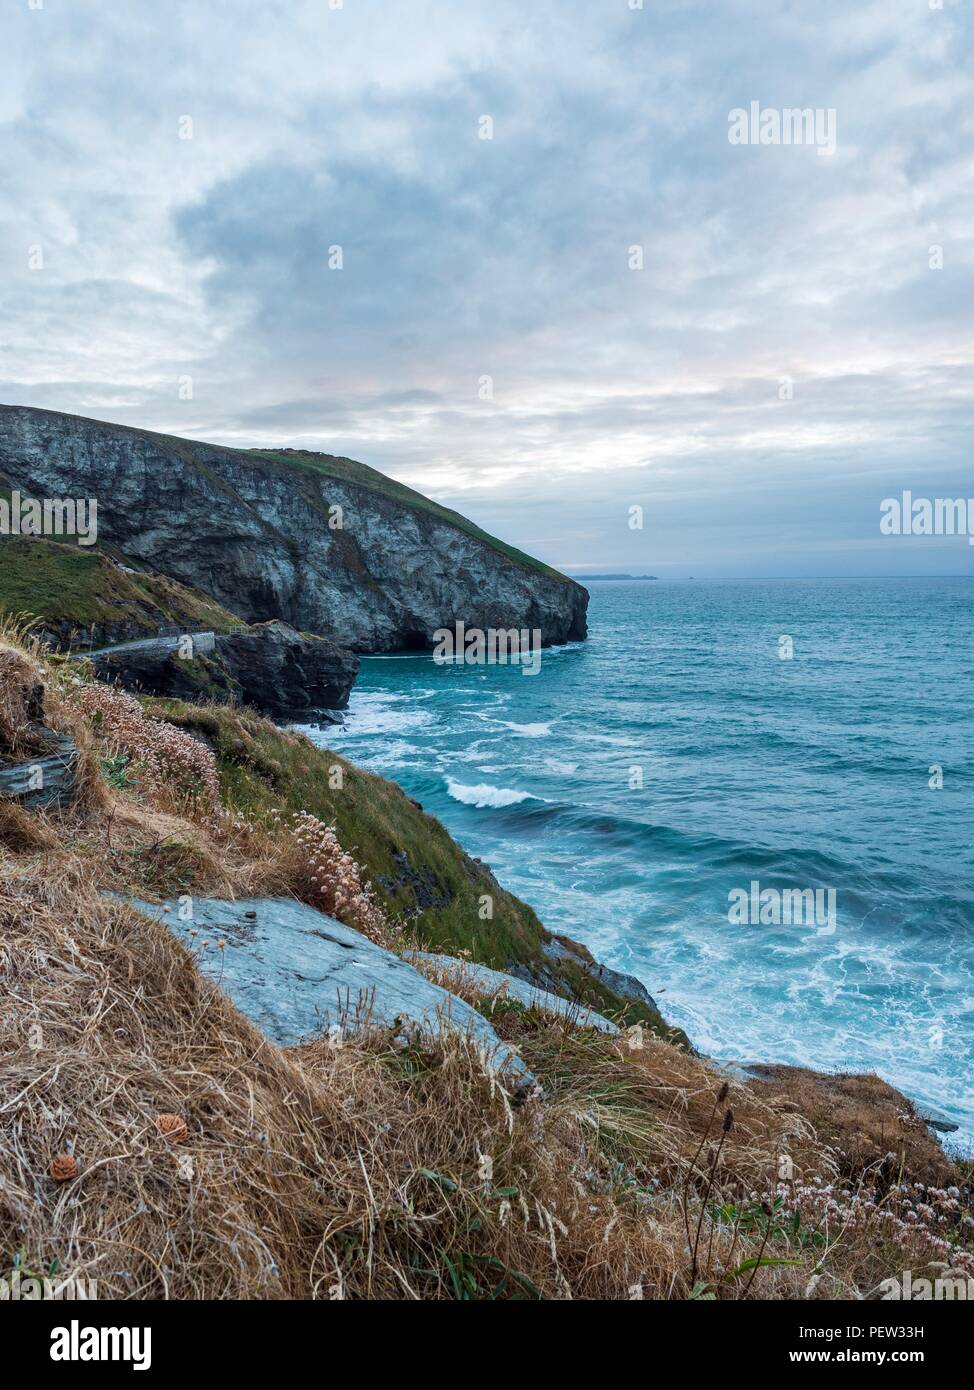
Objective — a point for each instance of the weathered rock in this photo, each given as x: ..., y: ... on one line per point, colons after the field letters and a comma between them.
x: 270, y: 666
x: 295, y: 972
x: 494, y: 983
x: 44, y: 780
x: 256, y: 531
x: 936, y: 1119
x: 285, y: 672
x: 562, y: 949
x: 626, y: 986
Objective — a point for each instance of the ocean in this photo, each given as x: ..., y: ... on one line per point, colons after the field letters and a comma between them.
x: 712, y: 741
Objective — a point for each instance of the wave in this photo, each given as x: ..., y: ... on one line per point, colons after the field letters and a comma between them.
x: 700, y: 855
x: 386, y: 713
x: 485, y: 795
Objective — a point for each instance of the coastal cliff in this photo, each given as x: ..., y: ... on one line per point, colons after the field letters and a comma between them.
x: 323, y: 543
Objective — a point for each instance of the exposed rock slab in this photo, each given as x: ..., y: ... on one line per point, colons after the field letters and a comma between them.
x: 296, y: 972
x: 496, y: 983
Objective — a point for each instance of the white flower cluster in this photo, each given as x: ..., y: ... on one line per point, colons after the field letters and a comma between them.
x: 165, y: 762
x: 334, y: 880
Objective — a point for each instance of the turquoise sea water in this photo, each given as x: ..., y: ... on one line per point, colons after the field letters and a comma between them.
x: 811, y: 772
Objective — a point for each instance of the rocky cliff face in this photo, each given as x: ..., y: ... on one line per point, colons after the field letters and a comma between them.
x: 323, y: 543
x: 269, y: 666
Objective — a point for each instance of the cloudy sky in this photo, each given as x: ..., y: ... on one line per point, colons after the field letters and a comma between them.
x: 175, y: 179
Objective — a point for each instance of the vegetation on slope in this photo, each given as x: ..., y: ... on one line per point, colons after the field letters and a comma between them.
x: 417, y: 871
x: 69, y: 587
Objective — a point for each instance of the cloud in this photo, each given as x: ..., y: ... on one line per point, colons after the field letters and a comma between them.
x: 782, y: 359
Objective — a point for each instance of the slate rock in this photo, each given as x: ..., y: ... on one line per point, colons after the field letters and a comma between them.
x: 44, y: 780
x: 294, y: 972
x: 495, y: 982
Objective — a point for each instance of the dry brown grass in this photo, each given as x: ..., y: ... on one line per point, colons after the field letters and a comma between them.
x: 21, y: 702
x: 381, y: 1170
x: 862, y: 1119
x: 360, y: 1165
x: 22, y: 832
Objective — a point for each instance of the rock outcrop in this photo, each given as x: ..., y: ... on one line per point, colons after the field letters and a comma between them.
x: 297, y: 973
x: 326, y: 544
x: 562, y: 951
x: 284, y: 672
x: 269, y: 666
x: 46, y: 779
x: 496, y: 985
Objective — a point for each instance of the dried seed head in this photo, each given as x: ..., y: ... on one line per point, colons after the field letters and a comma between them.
x: 63, y: 1168
x: 723, y: 1093
x: 728, y: 1121
x: 173, y: 1128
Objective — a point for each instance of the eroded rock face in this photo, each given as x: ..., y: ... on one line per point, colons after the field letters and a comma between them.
x: 258, y: 535
x: 285, y: 672
x: 270, y: 666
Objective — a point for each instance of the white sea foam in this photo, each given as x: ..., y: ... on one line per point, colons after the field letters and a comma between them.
x: 486, y: 795
x: 384, y: 714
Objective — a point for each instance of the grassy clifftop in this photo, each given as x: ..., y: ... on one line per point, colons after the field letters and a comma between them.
x: 67, y: 587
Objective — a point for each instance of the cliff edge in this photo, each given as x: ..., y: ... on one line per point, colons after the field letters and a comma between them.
x: 321, y: 542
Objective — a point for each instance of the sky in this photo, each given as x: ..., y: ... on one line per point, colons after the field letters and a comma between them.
x: 505, y: 251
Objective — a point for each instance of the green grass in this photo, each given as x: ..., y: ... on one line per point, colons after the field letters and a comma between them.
x: 416, y: 869
x: 59, y: 583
